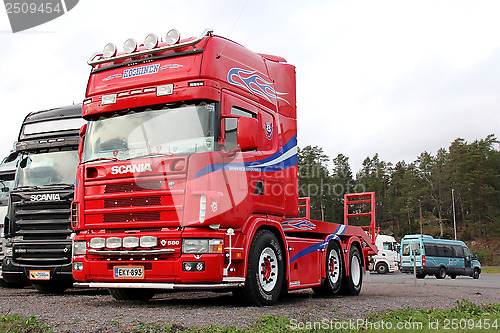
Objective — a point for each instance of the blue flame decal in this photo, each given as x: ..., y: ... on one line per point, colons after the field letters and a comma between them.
x: 253, y: 83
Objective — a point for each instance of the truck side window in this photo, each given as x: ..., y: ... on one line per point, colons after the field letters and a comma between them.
x: 231, y: 126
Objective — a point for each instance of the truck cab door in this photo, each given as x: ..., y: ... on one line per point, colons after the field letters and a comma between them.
x: 248, y: 182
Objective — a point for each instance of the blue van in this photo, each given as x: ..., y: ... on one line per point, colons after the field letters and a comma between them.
x: 440, y: 257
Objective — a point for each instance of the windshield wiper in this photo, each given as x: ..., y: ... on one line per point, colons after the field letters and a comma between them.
x: 150, y: 155
x: 102, y: 159
x: 27, y: 187
x: 59, y: 184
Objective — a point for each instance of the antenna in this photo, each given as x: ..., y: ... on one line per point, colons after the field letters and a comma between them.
x: 232, y: 29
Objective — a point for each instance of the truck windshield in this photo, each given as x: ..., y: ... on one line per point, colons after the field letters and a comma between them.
x: 45, y: 169
x: 172, y: 129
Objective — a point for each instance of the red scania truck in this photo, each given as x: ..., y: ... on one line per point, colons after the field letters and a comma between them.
x: 189, y: 179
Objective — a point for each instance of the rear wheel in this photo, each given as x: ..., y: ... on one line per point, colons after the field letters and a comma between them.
x: 334, y: 271
x: 420, y: 276
x: 382, y: 268
x: 351, y: 285
x: 131, y: 294
x: 453, y: 276
x: 265, y: 270
x: 441, y: 274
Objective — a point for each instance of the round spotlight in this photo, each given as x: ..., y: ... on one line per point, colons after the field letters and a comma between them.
x: 109, y: 50
x: 173, y: 37
x: 151, y: 41
x: 130, y: 45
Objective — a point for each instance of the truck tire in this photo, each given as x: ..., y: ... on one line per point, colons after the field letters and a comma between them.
x: 382, y: 268
x: 420, y: 276
x: 441, y: 274
x: 125, y: 294
x: 52, y: 287
x: 334, y: 271
x: 265, y: 271
x: 351, y: 284
x: 476, y: 273
x: 11, y: 285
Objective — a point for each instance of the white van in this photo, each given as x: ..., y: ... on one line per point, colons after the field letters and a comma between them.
x: 387, y: 259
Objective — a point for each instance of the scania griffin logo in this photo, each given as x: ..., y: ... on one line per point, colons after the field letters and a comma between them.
x: 121, y: 169
x: 45, y: 197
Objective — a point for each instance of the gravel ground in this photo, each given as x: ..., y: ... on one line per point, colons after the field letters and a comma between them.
x: 91, y: 310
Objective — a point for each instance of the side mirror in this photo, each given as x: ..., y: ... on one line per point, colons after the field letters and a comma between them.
x: 248, y: 133
x: 83, y: 130
x: 24, y: 162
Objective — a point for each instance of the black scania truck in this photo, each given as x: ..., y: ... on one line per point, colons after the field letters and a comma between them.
x: 37, y: 225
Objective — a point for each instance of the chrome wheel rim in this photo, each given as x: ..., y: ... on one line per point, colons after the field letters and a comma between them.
x: 268, y: 269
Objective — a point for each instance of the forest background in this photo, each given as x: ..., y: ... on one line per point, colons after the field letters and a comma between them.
x: 416, y: 197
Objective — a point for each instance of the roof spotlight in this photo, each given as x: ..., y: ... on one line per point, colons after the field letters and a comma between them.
x: 109, y: 50
x: 130, y: 45
x: 173, y: 37
x: 151, y: 41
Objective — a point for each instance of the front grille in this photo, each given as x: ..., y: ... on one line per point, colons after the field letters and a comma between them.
x: 42, y: 253
x: 139, y: 186
x: 36, y: 221
x: 132, y: 217
x: 136, y: 201
x: 132, y: 202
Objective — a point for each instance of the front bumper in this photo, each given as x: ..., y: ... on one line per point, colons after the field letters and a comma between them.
x: 230, y: 284
x: 15, y: 273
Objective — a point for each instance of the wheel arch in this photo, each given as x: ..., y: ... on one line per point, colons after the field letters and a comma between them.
x: 273, y: 226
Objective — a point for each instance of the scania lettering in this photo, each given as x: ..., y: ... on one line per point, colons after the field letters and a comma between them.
x: 46, y: 197
x: 189, y: 179
x: 130, y: 168
x: 38, y: 226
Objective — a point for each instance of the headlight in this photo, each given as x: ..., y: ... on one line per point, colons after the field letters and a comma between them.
x: 79, y: 248
x: 149, y: 241
x: 113, y: 242
x: 195, y: 245
x: 202, y: 246
x: 130, y: 242
x: 97, y: 243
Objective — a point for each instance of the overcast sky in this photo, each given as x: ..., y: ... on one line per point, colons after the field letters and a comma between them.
x: 390, y: 77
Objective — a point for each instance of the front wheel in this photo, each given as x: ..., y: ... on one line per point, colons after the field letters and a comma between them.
x: 334, y: 271
x: 352, y: 283
x: 265, y: 270
x: 131, y: 294
x: 476, y: 273
x: 382, y: 268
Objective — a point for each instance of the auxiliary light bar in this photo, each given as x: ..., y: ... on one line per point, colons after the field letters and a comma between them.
x: 151, y: 45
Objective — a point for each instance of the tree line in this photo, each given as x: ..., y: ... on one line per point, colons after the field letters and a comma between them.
x: 424, y: 196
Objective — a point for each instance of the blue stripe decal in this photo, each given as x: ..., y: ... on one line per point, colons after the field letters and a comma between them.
x: 321, y: 245
x: 283, y: 159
